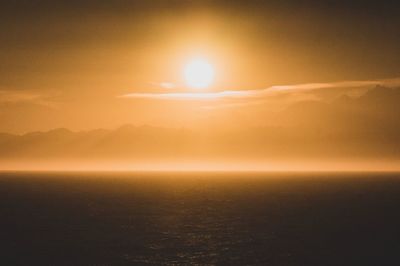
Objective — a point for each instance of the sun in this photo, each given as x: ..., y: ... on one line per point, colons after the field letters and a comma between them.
x: 199, y: 73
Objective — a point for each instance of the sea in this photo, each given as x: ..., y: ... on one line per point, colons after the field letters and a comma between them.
x: 199, y: 218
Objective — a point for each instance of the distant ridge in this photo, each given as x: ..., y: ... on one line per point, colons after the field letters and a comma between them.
x: 365, y: 126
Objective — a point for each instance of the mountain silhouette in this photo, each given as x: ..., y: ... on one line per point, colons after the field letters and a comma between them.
x: 365, y: 126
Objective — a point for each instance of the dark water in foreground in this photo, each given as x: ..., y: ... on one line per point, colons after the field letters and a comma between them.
x: 205, y: 219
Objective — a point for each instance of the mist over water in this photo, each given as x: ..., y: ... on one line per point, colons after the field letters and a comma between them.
x: 199, y: 218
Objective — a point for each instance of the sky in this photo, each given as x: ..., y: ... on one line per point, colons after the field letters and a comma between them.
x: 101, y: 64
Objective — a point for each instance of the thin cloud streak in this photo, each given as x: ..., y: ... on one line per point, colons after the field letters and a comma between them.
x: 164, y: 85
x: 340, y: 84
x: 261, y: 93
x: 189, y: 95
x: 23, y: 97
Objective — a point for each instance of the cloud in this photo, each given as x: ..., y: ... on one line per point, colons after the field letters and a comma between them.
x: 10, y: 96
x: 16, y: 97
x: 164, y: 85
x: 258, y: 94
x: 190, y: 95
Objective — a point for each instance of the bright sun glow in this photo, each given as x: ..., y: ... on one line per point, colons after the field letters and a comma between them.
x: 199, y: 74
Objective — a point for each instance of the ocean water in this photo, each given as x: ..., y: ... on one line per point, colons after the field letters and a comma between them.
x: 199, y: 219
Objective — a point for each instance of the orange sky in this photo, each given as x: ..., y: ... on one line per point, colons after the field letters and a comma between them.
x: 291, y: 78
x: 71, y: 60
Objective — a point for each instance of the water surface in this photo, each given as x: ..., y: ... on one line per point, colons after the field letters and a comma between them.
x: 199, y: 219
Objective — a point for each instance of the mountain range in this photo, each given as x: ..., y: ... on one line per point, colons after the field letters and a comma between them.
x: 347, y: 127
